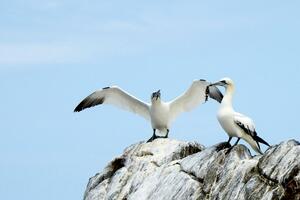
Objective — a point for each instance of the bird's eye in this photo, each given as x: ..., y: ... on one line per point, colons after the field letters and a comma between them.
x: 223, y: 81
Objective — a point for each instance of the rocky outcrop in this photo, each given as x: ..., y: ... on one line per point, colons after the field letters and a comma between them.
x: 171, y: 169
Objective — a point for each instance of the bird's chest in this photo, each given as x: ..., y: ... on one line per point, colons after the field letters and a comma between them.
x: 159, y: 116
x: 226, y: 120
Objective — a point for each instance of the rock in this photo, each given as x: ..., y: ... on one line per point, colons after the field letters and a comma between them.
x: 171, y: 169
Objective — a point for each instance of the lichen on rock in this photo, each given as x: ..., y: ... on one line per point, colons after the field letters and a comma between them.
x: 171, y: 169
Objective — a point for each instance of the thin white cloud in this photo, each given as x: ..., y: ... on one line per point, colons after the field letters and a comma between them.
x: 37, y: 54
x: 122, y: 26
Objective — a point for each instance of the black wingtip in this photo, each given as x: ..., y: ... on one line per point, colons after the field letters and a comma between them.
x: 87, y: 103
x: 76, y: 110
x: 79, y: 107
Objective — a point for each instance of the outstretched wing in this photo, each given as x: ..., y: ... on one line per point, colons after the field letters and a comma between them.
x: 196, y: 94
x: 248, y: 127
x: 118, y: 97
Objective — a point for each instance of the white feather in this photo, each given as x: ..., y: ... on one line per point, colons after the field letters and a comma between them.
x: 189, y: 99
x: 160, y: 113
x: 117, y: 97
x: 236, y: 124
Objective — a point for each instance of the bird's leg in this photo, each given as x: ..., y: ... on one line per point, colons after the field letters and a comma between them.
x: 167, y: 133
x: 229, y: 149
x: 228, y: 145
x: 153, y: 136
x: 229, y: 139
x: 237, y: 141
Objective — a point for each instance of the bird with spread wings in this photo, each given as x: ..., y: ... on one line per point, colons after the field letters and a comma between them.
x: 161, y: 114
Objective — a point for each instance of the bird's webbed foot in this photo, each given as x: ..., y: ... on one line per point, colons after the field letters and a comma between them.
x: 222, y: 146
x: 228, y: 150
x: 153, y: 137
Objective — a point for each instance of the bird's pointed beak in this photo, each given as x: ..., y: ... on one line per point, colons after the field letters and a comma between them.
x: 157, y: 94
x: 215, y: 84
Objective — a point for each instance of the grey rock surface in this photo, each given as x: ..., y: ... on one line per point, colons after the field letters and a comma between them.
x: 170, y: 169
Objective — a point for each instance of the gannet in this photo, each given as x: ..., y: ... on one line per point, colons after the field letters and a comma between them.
x: 236, y: 124
x: 160, y: 113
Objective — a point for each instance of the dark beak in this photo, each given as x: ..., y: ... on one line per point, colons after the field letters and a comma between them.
x: 215, y: 84
x: 157, y: 94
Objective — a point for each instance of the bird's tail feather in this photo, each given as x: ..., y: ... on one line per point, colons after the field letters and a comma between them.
x: 259, y: 139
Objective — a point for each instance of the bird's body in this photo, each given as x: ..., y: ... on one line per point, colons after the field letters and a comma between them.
x: 160, y: 113
x: 225, y: 115
x: 227, y: 122
x: 236, y: 124
x: 160, y: 116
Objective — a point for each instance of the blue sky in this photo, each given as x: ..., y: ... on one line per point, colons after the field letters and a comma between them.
x: 54, y: 53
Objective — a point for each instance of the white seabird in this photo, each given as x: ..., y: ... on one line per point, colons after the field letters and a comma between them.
x: 236, y: 124
x: 160, y: 113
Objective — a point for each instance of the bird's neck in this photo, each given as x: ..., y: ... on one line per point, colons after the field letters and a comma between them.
x: 227, y: 99
x: 156, y: 102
